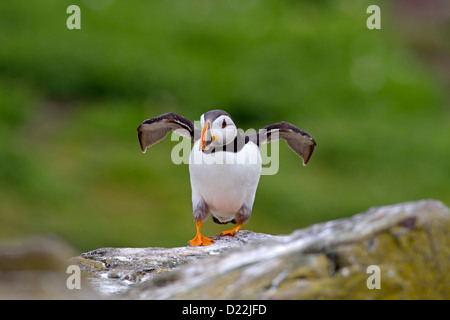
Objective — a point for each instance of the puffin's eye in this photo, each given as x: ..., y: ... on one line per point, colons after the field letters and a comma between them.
x: 224, y: 123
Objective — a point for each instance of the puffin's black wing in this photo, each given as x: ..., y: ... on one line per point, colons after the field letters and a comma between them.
x: 153, y: 130
x: 301, y: 142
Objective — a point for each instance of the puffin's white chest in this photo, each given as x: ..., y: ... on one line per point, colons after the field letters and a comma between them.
x: 225, y: 180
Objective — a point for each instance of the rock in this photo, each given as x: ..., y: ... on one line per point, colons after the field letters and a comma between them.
x: 114, y: 270
x: 35, y: 268
x: 407, y: 243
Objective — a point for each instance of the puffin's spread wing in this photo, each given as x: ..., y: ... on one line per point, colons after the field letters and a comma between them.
x: 153, y: 130
x: 301, y: 142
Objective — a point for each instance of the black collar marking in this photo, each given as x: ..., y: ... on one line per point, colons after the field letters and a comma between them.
x: 236, y: 145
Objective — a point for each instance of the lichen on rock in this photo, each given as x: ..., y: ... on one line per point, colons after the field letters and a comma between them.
x: 408, y: 242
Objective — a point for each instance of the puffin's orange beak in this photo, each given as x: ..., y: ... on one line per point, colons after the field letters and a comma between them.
x: 202, y: 145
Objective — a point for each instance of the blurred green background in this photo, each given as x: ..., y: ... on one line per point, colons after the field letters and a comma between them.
x: 376, y: 102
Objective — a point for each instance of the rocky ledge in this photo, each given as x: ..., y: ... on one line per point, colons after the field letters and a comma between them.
x: 399, y: 251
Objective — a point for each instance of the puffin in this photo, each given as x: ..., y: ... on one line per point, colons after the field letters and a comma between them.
x: 224, y: 163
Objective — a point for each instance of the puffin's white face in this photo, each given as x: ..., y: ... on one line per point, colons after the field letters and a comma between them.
x: 221, y: 131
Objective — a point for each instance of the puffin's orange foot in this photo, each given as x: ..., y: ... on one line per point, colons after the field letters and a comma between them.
x: 231, y: 232
x: 200, y: 240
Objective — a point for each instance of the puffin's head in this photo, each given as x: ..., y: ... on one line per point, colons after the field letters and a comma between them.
x: 218, y: 129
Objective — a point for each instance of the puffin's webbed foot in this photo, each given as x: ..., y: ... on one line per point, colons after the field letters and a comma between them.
x: 200, y: 240
x: 231, y: 232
